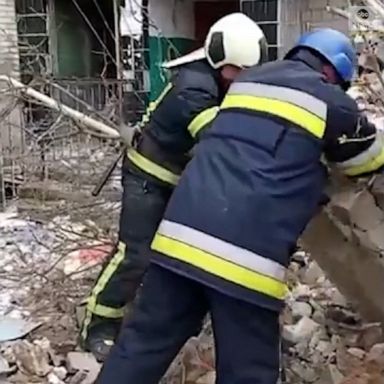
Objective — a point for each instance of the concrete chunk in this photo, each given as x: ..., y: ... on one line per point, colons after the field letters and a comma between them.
x: 347, y: 241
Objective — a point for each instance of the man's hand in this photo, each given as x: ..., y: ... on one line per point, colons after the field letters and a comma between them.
x: 129, y: 134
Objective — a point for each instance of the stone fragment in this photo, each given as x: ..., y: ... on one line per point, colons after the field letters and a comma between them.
x: 375, y: 358
x: 370, y: 335
x: 85, y: 363
x: 53, y: 379
x: 326, y: 348
x: 304, y: 372
x: 301, y: 309
x: 378, y: 191
x: 208, y: 378
x: 337, y: 298
x: 60, y: 372
x: 330, y: 375
x: 348, y: 360
x: 32, y: 359
x: 301, y: 331
x: 357, y: 353
x: 357, y: 208
x: 312, y: 274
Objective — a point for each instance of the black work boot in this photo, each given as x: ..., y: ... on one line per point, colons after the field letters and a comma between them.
x: 101, y: 336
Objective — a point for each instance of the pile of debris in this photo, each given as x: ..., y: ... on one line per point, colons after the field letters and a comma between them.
x: 325, y: 341
x: 47, y: 270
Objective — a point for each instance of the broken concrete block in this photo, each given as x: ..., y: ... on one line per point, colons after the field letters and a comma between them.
x: 5, y: 368
x: 300, y: 332
x: 370, y: 335
x: 53, y: 379
x: 375, y: 357
x: 209, y: 378
x: 330, y: 375
x: 32, y: 359
x: 300, y: 309
x: 353, y: 207
x: 60, y: 372
x: 312, y: 274
x: 378, y: 191
x: 357, y: 272
x: 304, y: 372
x: 357, y: 353
x: 85, y: 363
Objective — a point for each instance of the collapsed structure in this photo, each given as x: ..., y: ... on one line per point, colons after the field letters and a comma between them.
x: 347, y: 237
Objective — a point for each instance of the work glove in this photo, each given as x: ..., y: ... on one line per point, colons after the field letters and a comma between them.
x: 129, y: 134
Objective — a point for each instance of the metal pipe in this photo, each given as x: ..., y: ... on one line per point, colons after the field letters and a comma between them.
x: 59, y: 107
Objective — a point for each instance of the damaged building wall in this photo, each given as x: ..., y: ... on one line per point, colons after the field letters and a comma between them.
x: 10, y: 132
x: 315, y: 15
x: 9, y: 57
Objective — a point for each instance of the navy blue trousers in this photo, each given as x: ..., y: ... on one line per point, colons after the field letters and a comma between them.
x: 169, y: 310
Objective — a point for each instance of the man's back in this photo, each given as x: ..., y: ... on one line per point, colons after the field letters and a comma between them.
x: 258, y: 170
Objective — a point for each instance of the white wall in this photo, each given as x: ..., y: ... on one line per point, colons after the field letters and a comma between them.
x: 10, y: 127
x: 131, y: 18
x: 173, y: 18
x: 9, y: 54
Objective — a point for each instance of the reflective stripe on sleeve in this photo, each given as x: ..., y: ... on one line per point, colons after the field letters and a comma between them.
x: 293, y: 105
x: 368, y: 161
x: 202, y: 120
x: 154, y: 104
x: 221, y: 258
x: 152, y: 168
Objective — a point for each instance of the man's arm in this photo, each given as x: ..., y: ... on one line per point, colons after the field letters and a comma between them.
x: 198, y: 97
x: 352, y: 143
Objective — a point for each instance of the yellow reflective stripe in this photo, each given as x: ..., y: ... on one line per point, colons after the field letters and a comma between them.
x: 152, y: 168
x: 293, y: 96
x: 370, y: 165
x: 103, y: 280
x: 154, y: 104
x: 223, y: 249
x: 110, y: 313
x: 367, y: 161
x: 283, y: 109
x: 219, y: 267
x: 201, y: 120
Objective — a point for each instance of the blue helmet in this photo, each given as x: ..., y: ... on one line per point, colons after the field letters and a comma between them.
x: 333, y: 46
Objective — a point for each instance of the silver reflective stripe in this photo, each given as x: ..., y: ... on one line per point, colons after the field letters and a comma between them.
x: 364, y: 157
x: 289, y: 95
x: 222, y: 249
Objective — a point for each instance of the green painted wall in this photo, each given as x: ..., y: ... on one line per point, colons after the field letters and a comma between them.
x: 160, y: 51
x: 73, y: 42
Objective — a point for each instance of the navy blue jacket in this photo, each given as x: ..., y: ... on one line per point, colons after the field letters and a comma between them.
x: 257, y: 179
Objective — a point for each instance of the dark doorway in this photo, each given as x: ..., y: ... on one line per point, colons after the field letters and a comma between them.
x: 207, y: 13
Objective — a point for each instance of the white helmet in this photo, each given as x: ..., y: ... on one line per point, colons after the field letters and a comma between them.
x: 235, y: 40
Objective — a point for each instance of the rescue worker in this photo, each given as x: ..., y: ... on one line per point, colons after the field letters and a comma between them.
x: 255, y: 181
x: 153, y: 165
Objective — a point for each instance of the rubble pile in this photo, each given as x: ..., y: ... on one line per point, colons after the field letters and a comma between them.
x: 325, y: 341
x: 329, y: 335
x: 46, y: 271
